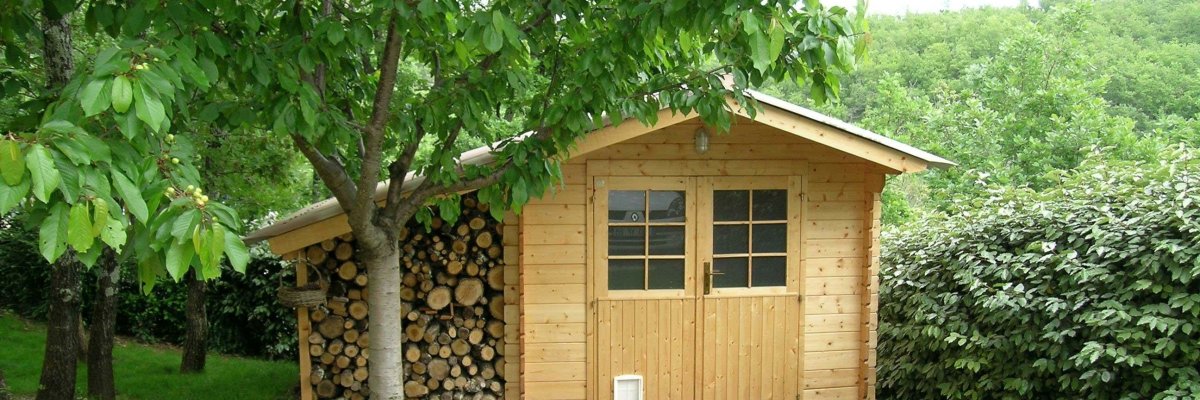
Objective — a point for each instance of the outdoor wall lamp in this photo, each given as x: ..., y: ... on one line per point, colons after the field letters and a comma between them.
x: 701, y: 140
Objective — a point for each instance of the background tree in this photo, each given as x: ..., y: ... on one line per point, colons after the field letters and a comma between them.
x: 1018, y: 95
x: 91, y: 161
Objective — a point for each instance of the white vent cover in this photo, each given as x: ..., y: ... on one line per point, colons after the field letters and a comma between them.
x: 627, y: 387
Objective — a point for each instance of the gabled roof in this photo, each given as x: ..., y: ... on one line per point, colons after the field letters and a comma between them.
x: 890, y: 154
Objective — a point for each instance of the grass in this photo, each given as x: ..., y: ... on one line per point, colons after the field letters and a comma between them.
x: 146, y: 371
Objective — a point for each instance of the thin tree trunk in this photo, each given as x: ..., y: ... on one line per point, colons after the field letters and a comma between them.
x: 58, y: 366
x: 4, y: 395
x: 61, y: 357
x: 195, y: 346
x: 386, y: 365
x: 104, y: 321
x: 81, y: 334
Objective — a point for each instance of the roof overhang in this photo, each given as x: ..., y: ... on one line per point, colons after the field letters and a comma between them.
x: 286, y: 236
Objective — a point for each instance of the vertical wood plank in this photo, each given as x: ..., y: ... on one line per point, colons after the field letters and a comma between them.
x: 603, y: 341
x: 304, y: 328
x: 755, y: 343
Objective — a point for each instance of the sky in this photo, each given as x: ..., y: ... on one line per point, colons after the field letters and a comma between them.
x: 901, y: 7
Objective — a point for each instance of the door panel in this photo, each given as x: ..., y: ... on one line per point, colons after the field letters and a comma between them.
x: 654, y: 338
x: 750, y: 329
x: 645, y: 325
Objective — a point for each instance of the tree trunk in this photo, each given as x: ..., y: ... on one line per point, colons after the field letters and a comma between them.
x: 387, y: 353
x: 58, y: 366
x: 4, y: 395
x: 104, y: 321
x: 195, y: 346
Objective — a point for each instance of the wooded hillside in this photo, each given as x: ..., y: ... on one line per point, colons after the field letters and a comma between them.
x: 1014, y: 95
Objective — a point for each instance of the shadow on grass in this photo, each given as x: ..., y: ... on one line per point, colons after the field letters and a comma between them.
x: 146, y: 371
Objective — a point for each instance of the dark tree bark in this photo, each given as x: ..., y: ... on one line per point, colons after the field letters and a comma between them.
x: 61, y: 357
x: 4, y: 395
x: 58, y: 367
x: 104, y: 321
x: 195, y: 345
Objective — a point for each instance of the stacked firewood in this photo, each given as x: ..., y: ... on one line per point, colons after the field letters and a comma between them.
x: 339, y: 340
x: 453, y: 284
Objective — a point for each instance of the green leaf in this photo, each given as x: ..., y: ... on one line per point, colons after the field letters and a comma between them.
x: 237, y: 252
x: 336, y: 34
x: 185, y: 224
x: 12, y: 163
x: 94, y: 99
x: 760, y: 51
x: 492, y: 39
x: 11, y: 196
x: 122, y: 94
x: 88, y: 258
x: 750, y: 23
x: 215, y: 246
x: 778, y: 37
x: 52, y: 236
x: 129, y: 124
x: 42, y: 170
x: 114, y: 234
x: 79, y: 228
x: 193, y: 71
x: 99, y: 215
x: 131, y: 196
x: 149, y: 107
x: 179, y: 257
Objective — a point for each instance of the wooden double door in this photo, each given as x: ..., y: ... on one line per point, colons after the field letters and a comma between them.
x: 696, y: 286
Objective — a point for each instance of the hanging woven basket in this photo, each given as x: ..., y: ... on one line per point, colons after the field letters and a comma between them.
x: 308, y: 295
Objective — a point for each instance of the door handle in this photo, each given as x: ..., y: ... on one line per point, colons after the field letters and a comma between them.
x: 708, y: 277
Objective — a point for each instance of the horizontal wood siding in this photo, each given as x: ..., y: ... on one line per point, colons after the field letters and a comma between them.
x: 834, y: 275
x: 553, y: 296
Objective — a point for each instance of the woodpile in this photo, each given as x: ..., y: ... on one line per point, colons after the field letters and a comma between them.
x: 453, y: 284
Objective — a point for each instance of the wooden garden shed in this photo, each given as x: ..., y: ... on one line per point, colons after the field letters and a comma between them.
x: 696, y: 265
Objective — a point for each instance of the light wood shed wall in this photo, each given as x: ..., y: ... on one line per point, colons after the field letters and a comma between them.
x: 839, y: 261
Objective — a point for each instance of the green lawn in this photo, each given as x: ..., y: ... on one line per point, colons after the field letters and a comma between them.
x: 146, y: 371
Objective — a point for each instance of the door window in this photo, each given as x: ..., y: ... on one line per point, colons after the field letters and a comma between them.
x: 750, y: 237
x: 646, y: 239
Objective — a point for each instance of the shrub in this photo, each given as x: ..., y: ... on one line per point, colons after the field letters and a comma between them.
x: 243, y: 316
x: 1088, y: 290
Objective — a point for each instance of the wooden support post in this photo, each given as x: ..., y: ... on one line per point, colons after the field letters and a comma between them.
x: 304, y: 328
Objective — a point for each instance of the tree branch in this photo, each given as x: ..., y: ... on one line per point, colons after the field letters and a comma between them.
x: 374, y: 131
x: 331, y: 172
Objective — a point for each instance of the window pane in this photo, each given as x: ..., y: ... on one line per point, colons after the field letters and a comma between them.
x: 770, y: 271
x: 731, y: 205
x: 770, y: 238
x: 729, y: 272
x: 626, y: 206
x: 666, y: 274
x: 770, y: 205
x: 668, y: 206
x: 626, y: 240
x: 626, y: 274
x: 666, y: 240
x: 731, y: 239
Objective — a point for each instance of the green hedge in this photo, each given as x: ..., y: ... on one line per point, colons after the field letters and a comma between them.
x: 243, y: 316
x: 1090, y: 290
